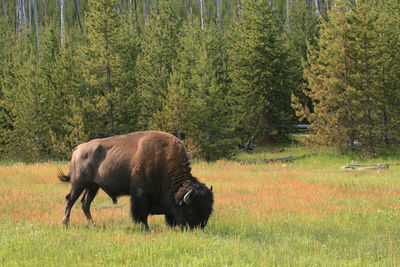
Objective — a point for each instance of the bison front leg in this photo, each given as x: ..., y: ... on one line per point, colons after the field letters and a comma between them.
x: 87, y: 199
x: 73, y: 195
x: 140, y: 207
x: 170, y: 220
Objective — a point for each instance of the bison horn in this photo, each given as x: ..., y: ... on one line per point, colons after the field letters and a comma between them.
x: 211, y: 188
x: 187, y: 198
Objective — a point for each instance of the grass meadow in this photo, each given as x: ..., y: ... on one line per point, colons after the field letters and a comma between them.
x: 306, y: 212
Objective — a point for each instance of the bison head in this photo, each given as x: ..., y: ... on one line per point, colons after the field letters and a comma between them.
x: 194, y: 205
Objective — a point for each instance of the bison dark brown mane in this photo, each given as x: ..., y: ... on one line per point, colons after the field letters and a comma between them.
x: 152, y: 167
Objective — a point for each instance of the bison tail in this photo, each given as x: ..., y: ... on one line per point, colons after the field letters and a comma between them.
x: 62, y: 177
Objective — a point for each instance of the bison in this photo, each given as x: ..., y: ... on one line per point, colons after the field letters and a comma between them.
x: 151, y: 167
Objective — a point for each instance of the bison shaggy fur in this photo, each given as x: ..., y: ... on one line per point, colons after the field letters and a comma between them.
x: 151, y: 167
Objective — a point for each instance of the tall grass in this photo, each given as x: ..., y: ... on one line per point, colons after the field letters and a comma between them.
x: 303, y: 213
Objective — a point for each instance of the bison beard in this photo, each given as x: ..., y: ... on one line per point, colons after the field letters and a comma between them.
x: 152, y: 167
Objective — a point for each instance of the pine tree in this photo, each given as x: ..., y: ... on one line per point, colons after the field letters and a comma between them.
x: 5, y: 58
x: 25, y: 100
x: 302, y: 28
x: 154, y: 66
x: 66, y: 96
x: 327, y: 72
x: 105, y: 71
x: 365, y: 55
x: 388, y: 27
x: 196, y: 105
x: 345, y: 81
x: 175, y: 114
x: 261, y: 74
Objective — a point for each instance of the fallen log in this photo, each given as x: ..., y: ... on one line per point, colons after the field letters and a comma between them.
x: 363, y: 167
x: 270, y: 160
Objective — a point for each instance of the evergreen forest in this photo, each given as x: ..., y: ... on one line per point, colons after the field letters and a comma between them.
x: 214, y: 73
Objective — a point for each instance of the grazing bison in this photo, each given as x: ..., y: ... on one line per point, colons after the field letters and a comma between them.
x: 152, y: 167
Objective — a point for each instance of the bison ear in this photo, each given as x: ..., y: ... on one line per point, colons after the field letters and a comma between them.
x: 187, y: 198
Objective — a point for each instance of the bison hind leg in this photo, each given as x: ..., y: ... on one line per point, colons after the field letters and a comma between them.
x: 140, y: 207
x: 76, y: 191
x: 87, y: 199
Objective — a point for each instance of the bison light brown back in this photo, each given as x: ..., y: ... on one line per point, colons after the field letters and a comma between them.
x: 151, y: 167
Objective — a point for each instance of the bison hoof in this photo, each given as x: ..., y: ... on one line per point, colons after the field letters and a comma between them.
x: 65, y: 221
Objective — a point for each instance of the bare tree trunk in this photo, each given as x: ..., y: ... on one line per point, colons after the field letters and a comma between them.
x: 317, y: 7
x: 128, y: 6
x: 202, y: 13
x: 17, y: 15
x: 20, y: 15
x: 219, y: 15
x: 3, y: 7
x: 149, y: 7
x: 120, y: 9
x: 237, y: 8
x: 62, y: 3
x: 144, y: 11
x: 228, y: 8
x: 23, y: 13
x: 136, y: 15
x: 35, y: 13
x: 287, y: 10
x: 78, y: 14
x: 44, y: 12
x: 30, y: 14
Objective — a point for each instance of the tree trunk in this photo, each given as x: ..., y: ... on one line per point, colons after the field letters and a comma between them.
x: 44, y: 12
x: 219, y: 15
x: 78, y: 14
x: 23, y: 11
x: 17, y: 15
x: 128, y: 6
x: 136, y: 15
x: 237, y: 9
x: 202, y: 13
x: 317, y: 7
x: 228, y: 9
x: 35, y: 13
x: 30, y: 14
x: 20, y: 15
x: 287, y: 10
x: 3, y: 7
x: 144, y: 11
x: 120, y: 9
x: 62, y: 22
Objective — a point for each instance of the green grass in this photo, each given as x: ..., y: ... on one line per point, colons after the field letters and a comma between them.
x: 301, y: 213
